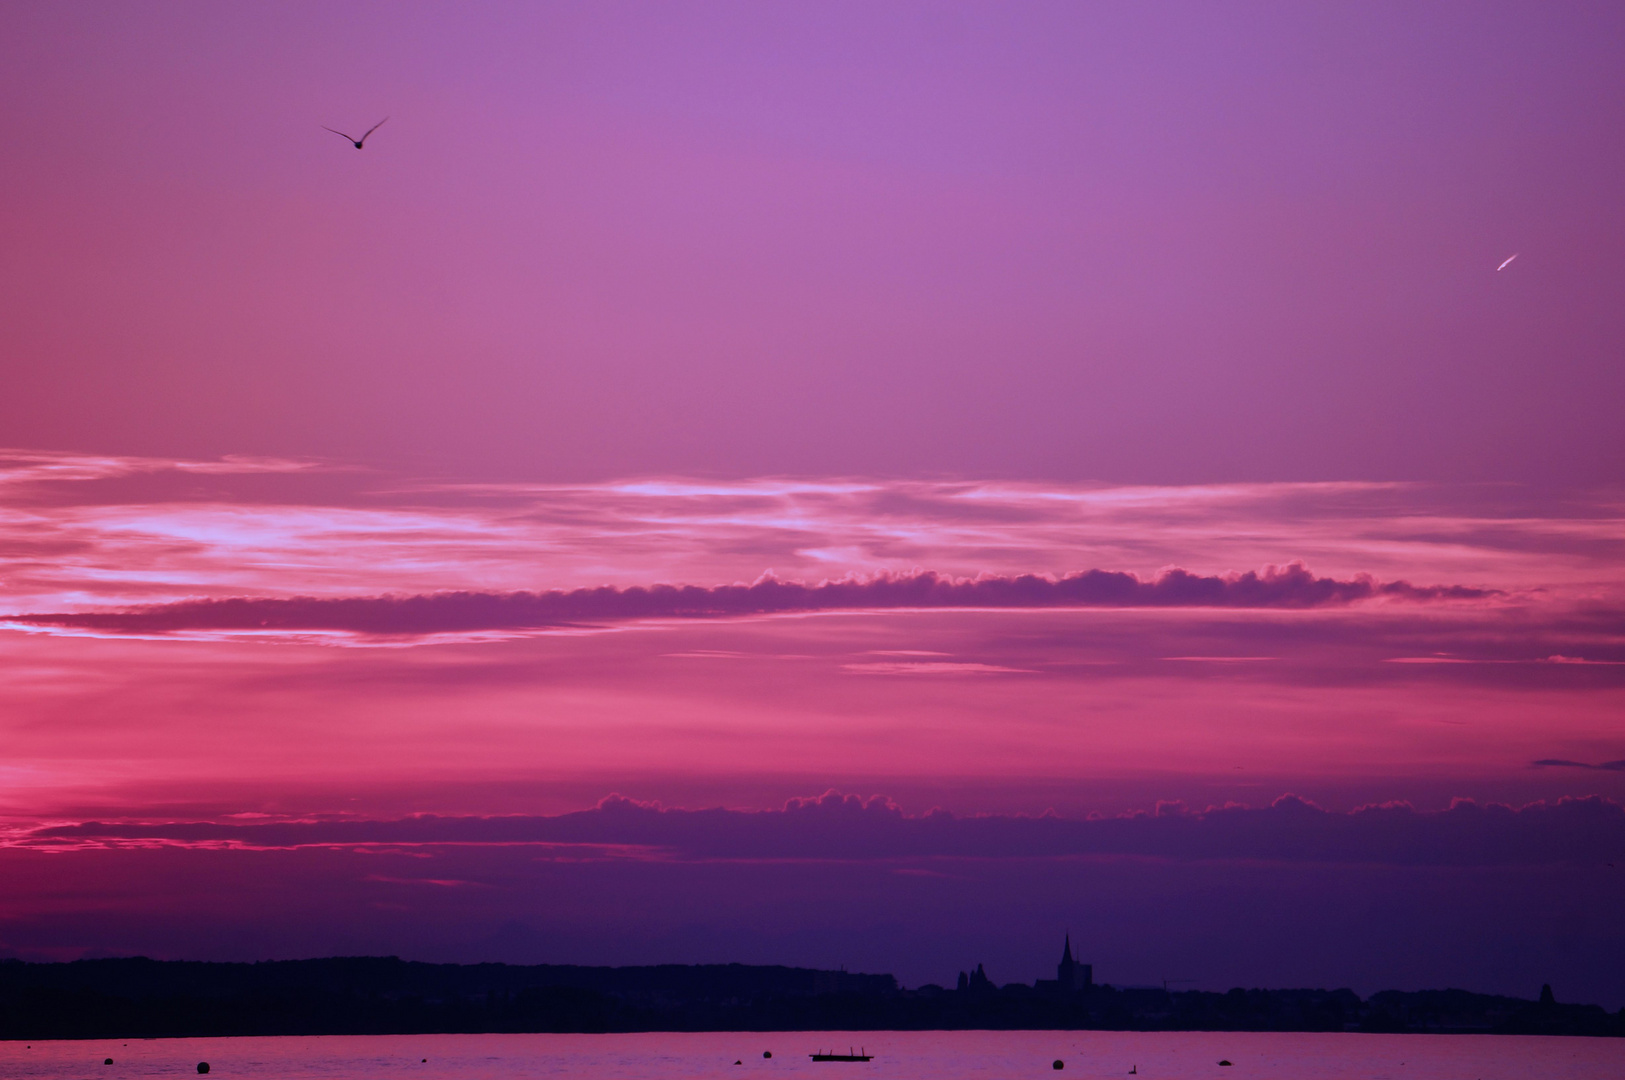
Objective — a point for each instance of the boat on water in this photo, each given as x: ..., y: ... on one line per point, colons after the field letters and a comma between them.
x: 848, y: 1056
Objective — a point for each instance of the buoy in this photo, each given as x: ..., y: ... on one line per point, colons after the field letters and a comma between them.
x: 203, y: 1066
x: 1059, y: 1064
x: 767, y: 1053
x: 738, y: 1062
x: 109, y: 1061
x: 1225, y: 1063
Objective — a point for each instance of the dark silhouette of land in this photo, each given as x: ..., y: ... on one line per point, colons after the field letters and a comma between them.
x: 134, y: 998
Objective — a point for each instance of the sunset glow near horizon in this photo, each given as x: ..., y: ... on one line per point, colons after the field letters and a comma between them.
x: 701, y: 467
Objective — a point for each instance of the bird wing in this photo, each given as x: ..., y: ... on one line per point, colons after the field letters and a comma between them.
x: 336, y: 131
x: 370, y: 130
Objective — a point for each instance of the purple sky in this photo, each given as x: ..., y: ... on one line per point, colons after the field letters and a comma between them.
x: 1164, y: 243
x: 1040, y: 409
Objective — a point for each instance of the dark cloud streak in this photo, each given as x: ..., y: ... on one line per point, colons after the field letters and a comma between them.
x: 1289, y: 587
x: 846, y: 828
x: 1606, y: 766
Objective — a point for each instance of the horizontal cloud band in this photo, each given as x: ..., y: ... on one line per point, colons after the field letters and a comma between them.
x: 835, y: 827
x: 1290, y: 587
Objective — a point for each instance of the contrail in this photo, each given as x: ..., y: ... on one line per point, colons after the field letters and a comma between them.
x: 1506, y: 264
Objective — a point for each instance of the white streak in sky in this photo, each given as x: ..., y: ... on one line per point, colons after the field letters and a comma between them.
x: 1506, y: 264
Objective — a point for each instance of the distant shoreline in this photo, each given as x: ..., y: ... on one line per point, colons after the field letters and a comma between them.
x: 141, y: 998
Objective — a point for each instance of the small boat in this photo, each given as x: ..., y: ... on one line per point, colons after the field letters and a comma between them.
x: 848, y: 1056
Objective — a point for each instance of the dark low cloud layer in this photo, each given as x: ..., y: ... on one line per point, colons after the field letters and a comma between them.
x: 835, y: 827
x: 1283, y: 895
x: 1606, y: 766
x: 1289, y: 587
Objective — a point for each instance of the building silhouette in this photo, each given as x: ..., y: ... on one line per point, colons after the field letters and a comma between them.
x: 976, y: 982
x: 1071, y: 977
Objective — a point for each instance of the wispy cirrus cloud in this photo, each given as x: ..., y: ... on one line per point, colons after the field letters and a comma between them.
x: 81, y: 532
x: 932, y: 667
x: 149, y: 581
x: 36, y: 474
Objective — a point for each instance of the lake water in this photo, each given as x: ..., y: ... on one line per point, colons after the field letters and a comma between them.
x: 899, y: 1055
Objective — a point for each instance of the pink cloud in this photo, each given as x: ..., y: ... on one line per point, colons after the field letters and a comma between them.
x: 1053, y: 687
x: 933, y: 667
x: 88, y: 532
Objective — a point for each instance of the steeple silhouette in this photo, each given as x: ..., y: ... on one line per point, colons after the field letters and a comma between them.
x: 1071, y: 976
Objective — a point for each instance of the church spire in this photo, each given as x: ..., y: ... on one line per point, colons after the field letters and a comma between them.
x: 1070, y: 975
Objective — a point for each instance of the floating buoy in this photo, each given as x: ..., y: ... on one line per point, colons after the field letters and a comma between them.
x: 767, y: 1053
x: 738, y: 1062
x: 109, y: 1061
x: 203, y: 1066
x: 1058, y: 1064
x: 1225, y: 1063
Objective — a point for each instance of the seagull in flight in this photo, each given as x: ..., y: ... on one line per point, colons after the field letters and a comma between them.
x: 1498, y: 269
x: 380, y: 124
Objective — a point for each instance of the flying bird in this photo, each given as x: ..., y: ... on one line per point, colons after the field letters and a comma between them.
x: 1498, y: 269
x: 357, y: 142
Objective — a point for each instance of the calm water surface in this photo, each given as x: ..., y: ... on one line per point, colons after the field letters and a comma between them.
x: 899, y: 1055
